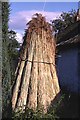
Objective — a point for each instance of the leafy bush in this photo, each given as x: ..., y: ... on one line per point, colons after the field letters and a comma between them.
x: 39, y: 114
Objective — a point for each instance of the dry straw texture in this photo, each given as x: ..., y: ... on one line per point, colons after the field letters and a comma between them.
x: 36, y: 83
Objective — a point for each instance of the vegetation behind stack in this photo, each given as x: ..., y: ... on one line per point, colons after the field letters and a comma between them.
x: 6, y: 74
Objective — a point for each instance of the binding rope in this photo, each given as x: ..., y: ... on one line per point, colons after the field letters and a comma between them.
x: 36, y: 61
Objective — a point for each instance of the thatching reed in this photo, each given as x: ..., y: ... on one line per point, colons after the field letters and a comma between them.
x: 36, y: 83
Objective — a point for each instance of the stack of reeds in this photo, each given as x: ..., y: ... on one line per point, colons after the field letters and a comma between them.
x: 36, y: 83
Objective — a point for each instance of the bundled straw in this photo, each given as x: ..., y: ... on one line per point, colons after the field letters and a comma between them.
x: 36, y: 83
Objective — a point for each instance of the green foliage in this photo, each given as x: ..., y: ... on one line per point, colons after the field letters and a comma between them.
x: 65, y: 20
x: 6, y: 74
x: 13, y: 52
x: 63, y: 108
x: 38, y: 114
x: 5, y: 62
x: 9, y: 58
x: 33, y: 115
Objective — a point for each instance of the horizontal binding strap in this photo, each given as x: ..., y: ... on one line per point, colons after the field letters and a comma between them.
x: 38, y: 62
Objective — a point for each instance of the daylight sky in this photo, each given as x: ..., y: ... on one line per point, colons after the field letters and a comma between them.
x: 22, y: 12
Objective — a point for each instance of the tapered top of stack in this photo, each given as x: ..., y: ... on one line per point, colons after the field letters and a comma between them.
x: 38, y: 23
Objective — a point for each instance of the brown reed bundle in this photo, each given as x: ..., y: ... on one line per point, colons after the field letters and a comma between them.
x: 36, y: 83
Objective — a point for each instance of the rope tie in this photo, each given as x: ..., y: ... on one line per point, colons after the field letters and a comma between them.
x: 37, y: 61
